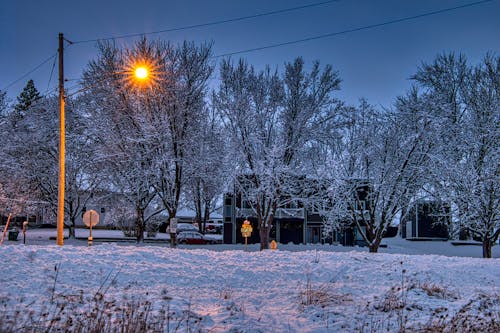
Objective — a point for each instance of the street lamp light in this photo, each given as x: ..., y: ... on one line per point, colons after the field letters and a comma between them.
x: 141, y: 73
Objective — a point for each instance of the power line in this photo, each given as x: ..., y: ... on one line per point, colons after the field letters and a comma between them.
x: 24, y: 201
x: 366, y: 27
x: 79, y: 85
x: 31, y: 71
x: 171, y: 30
x: 241, y: 18
x: 50, y: 77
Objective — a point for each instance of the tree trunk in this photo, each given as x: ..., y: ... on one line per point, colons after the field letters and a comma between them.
x: 487, y: 247
x: 206, y: 214
x: 201, y: 226
x: 371, y: 238
x: 173, y: 240
x: 139, y: 225
x: 374, y: 247
x: 71, y: 228
x: 72, y: 223
x: 198, y: 208
x: 264, y: 232
x: 264, y: 237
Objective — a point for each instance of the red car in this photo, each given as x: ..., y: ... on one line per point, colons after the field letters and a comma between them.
x: 193, y: 237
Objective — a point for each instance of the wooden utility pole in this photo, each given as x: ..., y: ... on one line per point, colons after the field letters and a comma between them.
x: 62, y: 146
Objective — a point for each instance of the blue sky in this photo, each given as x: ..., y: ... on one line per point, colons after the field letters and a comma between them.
x: 374, y: 63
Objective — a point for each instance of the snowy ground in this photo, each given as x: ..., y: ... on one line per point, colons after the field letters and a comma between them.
x: 394, y: 245
x: 222, y: 288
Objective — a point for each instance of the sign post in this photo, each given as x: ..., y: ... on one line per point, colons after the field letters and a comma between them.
x: 246, y: 231
x: 90, y: 219
x: 173, y: 231
x: 25, y: 227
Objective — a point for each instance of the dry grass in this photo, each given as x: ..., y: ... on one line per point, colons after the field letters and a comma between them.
x: 81, y: 312
x: 322, y: 295
x: 481, y: 315
x: 436, y: 290
x: 67, y: 314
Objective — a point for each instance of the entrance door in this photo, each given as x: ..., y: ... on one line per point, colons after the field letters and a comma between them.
x: 313, y: 235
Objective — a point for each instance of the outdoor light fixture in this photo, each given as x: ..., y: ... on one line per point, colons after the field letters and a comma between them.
x: 141, y: 73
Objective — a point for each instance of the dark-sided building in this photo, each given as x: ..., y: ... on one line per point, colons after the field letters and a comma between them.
x: 288, y: 223
x: 427, y: 220
x: 294, y: 222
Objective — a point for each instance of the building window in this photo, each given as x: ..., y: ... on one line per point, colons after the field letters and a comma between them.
x: 360, y: 205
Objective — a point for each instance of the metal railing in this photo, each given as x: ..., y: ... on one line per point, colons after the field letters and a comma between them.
x: 280, y: 213
x: 290, y: 212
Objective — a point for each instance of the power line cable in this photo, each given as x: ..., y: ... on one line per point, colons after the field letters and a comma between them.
x: 241, y: 18
x: 69, y: 93
x: 24, y: 201
x: 366, y: 27
x: 31, y: 71
x: 50, y: 77
x: 83, y: 88
x: 52, y: 90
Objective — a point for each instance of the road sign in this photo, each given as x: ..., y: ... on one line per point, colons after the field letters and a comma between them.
x: 246, y: 229
x: 91, y: 218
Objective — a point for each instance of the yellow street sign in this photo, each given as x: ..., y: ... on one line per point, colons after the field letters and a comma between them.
x: 246, y: 229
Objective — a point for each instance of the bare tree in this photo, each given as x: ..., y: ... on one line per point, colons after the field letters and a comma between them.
x: 4, y: 105
x: 31, y: 157
x: 466, y: 106
x: 123, y: 123
x: 208, y: 168
x: 271, y: 120
x: 144, y: 129
x: 181, y: 99
x: 377, y: 166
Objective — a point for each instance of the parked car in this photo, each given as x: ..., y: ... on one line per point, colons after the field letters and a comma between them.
x: 214, y: 228
x: 193, y: 237
x: 183, y: 227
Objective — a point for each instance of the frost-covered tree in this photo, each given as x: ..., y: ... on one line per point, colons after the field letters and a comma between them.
x: 13, y: 190
x: 31, y: 158
x: 466, y: 150
x: 466, y: 104
x: 144, y: 129
x: 12, y: 198
x: 483, y: 153
x: 271, y: 119
x: 4, y: 105
x: 375, y: 168
x: 121, y: 122
x: 208, y: 168
x: 181, y: 98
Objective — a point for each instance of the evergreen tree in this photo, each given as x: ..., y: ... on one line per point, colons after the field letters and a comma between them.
x: 28, y: 96
x: 3, y: 103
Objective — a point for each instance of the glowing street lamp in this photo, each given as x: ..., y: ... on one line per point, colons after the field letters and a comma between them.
x: 141, y: 73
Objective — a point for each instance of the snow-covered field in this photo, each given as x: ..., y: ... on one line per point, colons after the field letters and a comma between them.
x: 222, y: 288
